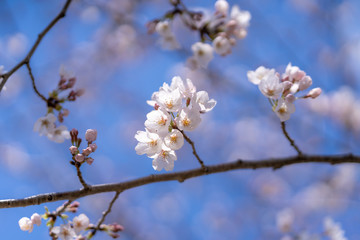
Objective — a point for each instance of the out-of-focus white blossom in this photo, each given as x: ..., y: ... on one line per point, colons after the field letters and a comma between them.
x: 64, y: 232
x: 45, y: 125
x: 80, y: 223
x: 222, y: 7
x: 203, y: 53
x: 222, y: 45
x: 284, y: 109
x: 26, y: 224
x: 259, y: 74
x: 271, y: 86
x: 59, y: 134
x: 333, y: 230
x: 284, y: 220
x: 168, y: 40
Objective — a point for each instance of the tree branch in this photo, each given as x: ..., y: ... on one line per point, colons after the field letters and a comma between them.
x: 41, y: 35
x: 177, y: 176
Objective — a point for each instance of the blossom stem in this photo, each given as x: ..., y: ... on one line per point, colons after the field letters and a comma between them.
x: 81, y: 179
x: 105, y: 213
x: 194, y: 150
x: 33, y: 82
x: 292, y: 142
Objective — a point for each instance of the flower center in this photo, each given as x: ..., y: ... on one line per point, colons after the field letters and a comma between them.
x: 186, y: 122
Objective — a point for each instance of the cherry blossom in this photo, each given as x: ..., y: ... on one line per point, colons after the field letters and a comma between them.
x: 284, y: 109
x: 64, y: 232
x: 164, y: 159
x: 188, y: 119
x: 158, y: 121
x: 174, y: 140
x: 222, y: 45
x: 203, y: 53
x: 80, y: 223
x: 45, y: 125
x: 26, y: 224
x: 149, y: 143
x: 59, y: 134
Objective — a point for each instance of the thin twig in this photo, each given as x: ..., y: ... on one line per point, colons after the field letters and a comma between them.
x: 194, y: 150
x: 81, y: 179
x: 177, y: 176
x: 33, y: 82
x: 292, y: 142
x: 105, y: 213
x: 58, y: 213
x: 41, y: 35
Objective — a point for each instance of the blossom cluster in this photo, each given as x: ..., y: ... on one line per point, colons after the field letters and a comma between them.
x: 70, y: 230
x: 90, y: 137
x: 46, y: 125
x: 177, y: 108
x: 281, y: 90
x: 221, y: 29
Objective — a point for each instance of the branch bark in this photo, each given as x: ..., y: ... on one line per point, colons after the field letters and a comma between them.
x: 177, y: 176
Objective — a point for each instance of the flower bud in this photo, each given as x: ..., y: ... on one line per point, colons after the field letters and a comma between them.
x: 90, y: 135
x: 93, y: 147
x: 87, y: 151
x: 89, y: 160
x: 222, y: 7
x: 314, y: 93
x: 36, y: 219
x: 73, y: 149
x: 79, y: 158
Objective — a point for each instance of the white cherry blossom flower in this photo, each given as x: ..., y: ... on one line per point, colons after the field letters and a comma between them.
x: 241, y: 21
x: 284, y: 109
x: 187, y: 88
x: 174, y: 140
x: 170, y: 100
x: 80, y: 223
x: 222, y: 45
x: 202, y: 99
x: 222, y: 7
x: 285, y: 220
x: 333, y: 230
x: 203, y: 53
x: 64, y: 232
x: 163, y: 28
x: 271, y: 86
x: 158, y: 121
x: 59, y: 134
x: 45, y: 125
x: 293, y: 74
x: 36, y: 219
x: 169, y: 42
x: 164, y: 159
x: 188, y: 119
x: 26, y: 224
x: 259, y: 74
x: 149, y: 143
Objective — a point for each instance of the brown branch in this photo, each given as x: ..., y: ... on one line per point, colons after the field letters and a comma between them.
x: 41, y: 35
x: 292, y: 142
x: 33, y: 82
x: 81, y: 179
x: 177, y: 176
x: 194, y: 150
x: 108, y: 210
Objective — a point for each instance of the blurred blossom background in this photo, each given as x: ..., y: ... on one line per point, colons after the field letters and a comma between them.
x: 106, y: 46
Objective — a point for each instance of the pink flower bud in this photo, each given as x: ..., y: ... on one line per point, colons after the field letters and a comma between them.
x: 36, y: 219
x: 87, y: 151
x: 305, y: 82
x: 66, y: 112
x: 79, y: 158
x: 290, y: 98
x: 73, y: 149
x: 89, y: 160
x: 115, y: 227
x: 71, y: 82
x: 90, y: 135
x: 93, y: 147
x: 314, y: 93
